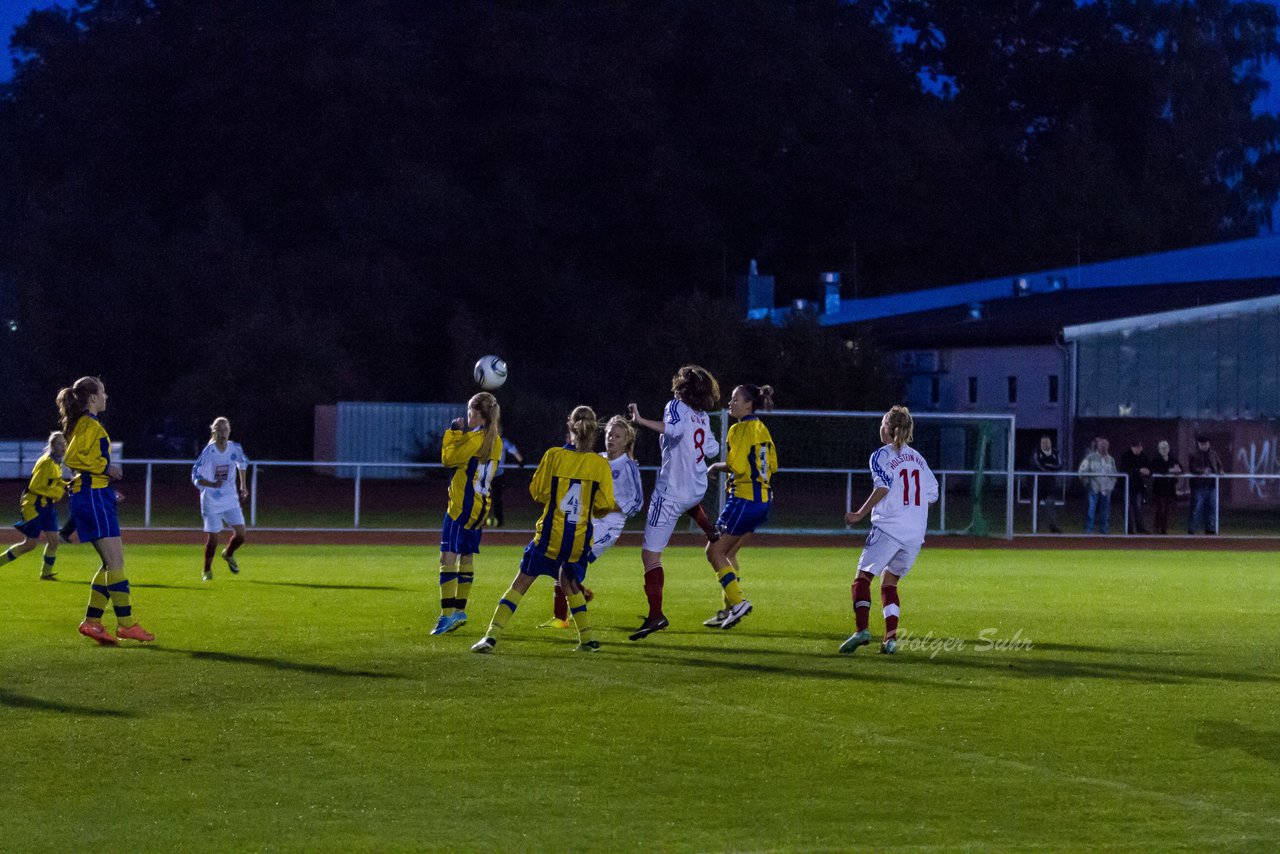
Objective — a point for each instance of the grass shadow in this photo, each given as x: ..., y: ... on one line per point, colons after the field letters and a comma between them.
x: 805, y: 669
x: 1025, y: 663
x: 275, y: 663
x: 1104, y: 650
x: 1229, y: 735
x: 329, y: 586
x: 21, y: 701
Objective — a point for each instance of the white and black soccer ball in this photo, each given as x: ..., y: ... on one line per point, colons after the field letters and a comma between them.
x: 490, y: 373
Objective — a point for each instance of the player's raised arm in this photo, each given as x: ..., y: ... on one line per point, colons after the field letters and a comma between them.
x: 656, y: 426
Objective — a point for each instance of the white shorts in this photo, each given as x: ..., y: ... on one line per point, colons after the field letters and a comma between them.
x: 605, y: 533
x: 214, y: 521
x: 882, y: 552
x: 660, y: 524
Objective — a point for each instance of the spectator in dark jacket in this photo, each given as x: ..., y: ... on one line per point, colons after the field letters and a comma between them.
x: 1204, y: 490
x: 1164, y: 490
x: 1045, y: 459
x: 1135, y: 464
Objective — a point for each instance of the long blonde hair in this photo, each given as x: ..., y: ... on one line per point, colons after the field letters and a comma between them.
x: 213, y: 428
x: 583, y: 426
x: 628, y: 431
x: 901, y: 427
x: 74, y: 402
x: 487, y: 405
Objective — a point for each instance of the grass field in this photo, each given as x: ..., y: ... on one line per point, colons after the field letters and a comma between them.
x: 302, y: 705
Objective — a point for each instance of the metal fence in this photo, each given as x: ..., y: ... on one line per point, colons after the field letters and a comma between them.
x: 340, y: 496
x: 334, y: 496
x: 1232, y: 505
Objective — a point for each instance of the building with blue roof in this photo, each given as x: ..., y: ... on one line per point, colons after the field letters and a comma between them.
x: 1072, y: 351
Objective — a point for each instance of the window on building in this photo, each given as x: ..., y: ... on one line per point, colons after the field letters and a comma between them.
x: 1053, y: 388
x: 935, y: 390
x: 973, y: 389
x: 1013, y: 389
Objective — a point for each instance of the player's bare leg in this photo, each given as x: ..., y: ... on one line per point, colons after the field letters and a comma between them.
x: 210, y: 549
x: 236, y: 541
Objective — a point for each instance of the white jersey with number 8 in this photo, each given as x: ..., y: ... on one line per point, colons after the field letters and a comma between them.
x: 904, y: 513
x: 687, y: 442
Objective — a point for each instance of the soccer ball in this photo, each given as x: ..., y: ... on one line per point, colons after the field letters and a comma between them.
x: 490, y: 373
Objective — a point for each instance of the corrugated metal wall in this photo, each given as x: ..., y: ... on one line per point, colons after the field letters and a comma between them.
x: 391, y: 432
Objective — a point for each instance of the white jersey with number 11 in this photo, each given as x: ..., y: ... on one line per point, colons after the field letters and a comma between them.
x: 904, y: 513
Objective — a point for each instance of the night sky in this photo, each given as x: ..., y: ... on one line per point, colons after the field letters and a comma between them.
x: 13, y: 12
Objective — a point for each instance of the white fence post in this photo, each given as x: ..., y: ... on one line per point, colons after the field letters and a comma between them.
x: 146, y: 500
x: 356, y: 522
x: 253, y: 497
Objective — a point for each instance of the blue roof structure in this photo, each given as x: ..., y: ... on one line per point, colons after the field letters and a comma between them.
x: 1251, y: 259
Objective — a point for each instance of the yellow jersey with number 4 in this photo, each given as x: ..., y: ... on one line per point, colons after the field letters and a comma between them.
x: 573, y: 486
x: 752, y: 460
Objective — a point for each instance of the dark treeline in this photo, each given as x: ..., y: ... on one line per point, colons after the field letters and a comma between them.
x: 247, y: 208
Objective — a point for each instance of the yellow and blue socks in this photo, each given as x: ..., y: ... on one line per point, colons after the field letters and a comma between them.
x: 8, y: 556
x: 578, y: 608
x: 99, y: 596
x: 465, y: 577
x: 121, y: 603
x: 46, y: 571
x: 448, y: 590
x: 729, y: 584
x: 502, y: 614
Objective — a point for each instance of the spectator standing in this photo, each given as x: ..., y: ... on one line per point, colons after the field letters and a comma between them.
x: 1135, y: 464
x: 1045, y: 459
x: 1097, y: 473
x: 1164, y: 489
x: 1204, y: 461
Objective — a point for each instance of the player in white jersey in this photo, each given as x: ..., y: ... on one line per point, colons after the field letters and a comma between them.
x: 904, y: 487
x: 219, y: 473
x: 619, y: 450
x: 687, y: 442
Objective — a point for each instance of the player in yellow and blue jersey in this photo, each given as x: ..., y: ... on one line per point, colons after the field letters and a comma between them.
x: 574, y: 484
x: 93, y: 508
x: 751, y: 461
x: 472, y: 449
x: 39, y: 520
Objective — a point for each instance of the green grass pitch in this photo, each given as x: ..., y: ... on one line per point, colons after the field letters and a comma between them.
x: 302, y: 705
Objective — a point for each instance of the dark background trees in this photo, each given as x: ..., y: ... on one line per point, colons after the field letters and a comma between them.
x: 256, y: 207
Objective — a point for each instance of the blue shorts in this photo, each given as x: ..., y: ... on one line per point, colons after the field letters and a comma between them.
x: 46, y: 519
x: 535, y: 563
x: 741, y: 516
x: 94, y: 512
x: 460, y: 540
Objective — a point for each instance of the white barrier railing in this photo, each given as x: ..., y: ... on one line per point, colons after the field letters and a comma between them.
x: 355, y: 474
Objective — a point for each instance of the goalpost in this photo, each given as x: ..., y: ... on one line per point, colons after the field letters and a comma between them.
x: 823, y: 471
